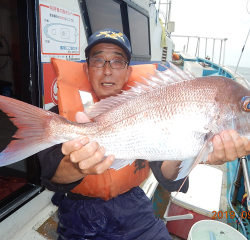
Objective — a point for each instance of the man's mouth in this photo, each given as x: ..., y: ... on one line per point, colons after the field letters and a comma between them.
x: 108, y: 84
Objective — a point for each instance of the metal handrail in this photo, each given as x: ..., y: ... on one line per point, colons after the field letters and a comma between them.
x: 244, y: 161
x: 222, y: 46
x: 167, y: 11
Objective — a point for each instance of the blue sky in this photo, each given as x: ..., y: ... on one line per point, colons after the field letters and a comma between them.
x: 214, y: 18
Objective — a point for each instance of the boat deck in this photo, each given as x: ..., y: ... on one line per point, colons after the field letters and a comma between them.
x: 38, y: 220
x: 42, y: 224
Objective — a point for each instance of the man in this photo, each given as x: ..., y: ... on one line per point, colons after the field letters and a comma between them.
x: 67, y: 168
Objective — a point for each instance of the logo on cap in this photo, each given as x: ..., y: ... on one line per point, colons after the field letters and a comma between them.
x: 111, y: 35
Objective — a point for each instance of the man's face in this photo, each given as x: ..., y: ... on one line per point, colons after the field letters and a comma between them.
x: 106, y: 81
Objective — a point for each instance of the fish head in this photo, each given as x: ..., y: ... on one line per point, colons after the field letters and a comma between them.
x: 237, y: 98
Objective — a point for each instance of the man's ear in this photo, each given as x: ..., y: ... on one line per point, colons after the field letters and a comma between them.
x: 128, y: 73
x: 86, y: 70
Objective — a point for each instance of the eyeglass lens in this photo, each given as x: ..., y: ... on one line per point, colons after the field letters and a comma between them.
x: 99, y: 63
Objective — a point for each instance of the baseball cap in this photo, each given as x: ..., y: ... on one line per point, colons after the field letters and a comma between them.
x: 110, y: 35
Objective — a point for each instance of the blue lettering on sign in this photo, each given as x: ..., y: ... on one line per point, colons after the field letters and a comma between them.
x: 68, y: 48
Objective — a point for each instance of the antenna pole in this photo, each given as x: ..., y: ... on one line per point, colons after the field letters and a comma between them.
x: 242, y: 51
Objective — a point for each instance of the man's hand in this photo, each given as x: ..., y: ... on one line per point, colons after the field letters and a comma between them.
x: 227, y: 147
x: 81, y: 158
x: 87, y: 155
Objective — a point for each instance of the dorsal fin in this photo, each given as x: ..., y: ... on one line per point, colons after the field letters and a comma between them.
x: 158, y: 80
x: 187, y: 75
x: 152, y: 82
x: 110, y: 102
x: 170, y: 74
x: 143, y: 86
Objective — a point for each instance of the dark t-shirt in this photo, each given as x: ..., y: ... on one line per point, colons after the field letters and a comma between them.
x: 51, y: 157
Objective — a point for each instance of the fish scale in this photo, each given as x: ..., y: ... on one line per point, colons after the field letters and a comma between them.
x: 114, y: 138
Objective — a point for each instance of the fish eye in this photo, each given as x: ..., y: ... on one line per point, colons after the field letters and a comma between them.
x: 246, y: 103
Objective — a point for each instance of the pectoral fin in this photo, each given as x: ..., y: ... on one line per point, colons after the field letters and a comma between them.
x: 121, y: 163
x: 188, y: 165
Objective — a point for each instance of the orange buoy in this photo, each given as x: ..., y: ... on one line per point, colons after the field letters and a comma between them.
x: 175, y: 56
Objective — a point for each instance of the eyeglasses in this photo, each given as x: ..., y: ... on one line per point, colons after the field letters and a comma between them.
x: 114, y: 64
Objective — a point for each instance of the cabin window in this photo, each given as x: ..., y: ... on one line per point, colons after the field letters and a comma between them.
x: 124, y: 16
x: 20, y: 181
x: 138, y: 26
x: 98, y: 12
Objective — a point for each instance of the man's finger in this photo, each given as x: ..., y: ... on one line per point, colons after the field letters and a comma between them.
x: 229, y: 145
x: 93, y: 160
x: 101, y: 167
x: 74, y: 145
x: 239, y: 143
x: 84, y: 152
x: 246, y: 142
x: 219, y: 151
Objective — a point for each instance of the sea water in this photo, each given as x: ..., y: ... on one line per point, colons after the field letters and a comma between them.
x: 244, y: 71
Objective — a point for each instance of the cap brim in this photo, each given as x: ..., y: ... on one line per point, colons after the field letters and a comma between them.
x: 108, y: 40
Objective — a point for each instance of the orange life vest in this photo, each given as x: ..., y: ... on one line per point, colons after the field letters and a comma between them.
x: 70, y: 79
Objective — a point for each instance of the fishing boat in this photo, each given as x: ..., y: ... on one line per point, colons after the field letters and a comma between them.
x: 34, y: 31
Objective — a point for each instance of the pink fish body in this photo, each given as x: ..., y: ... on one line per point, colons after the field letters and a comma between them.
x: 163, y: 119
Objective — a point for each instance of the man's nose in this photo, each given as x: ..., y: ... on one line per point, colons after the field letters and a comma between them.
x: 107, y: 69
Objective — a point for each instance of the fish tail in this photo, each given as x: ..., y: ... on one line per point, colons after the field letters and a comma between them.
x: 30, y: 137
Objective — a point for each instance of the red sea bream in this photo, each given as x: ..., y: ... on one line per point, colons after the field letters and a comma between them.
x: 170, y: 116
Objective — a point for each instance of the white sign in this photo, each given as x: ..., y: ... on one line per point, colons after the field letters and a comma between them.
x: 60, y: 32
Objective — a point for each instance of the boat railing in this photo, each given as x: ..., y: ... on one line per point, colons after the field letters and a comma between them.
x: 198, y: 46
